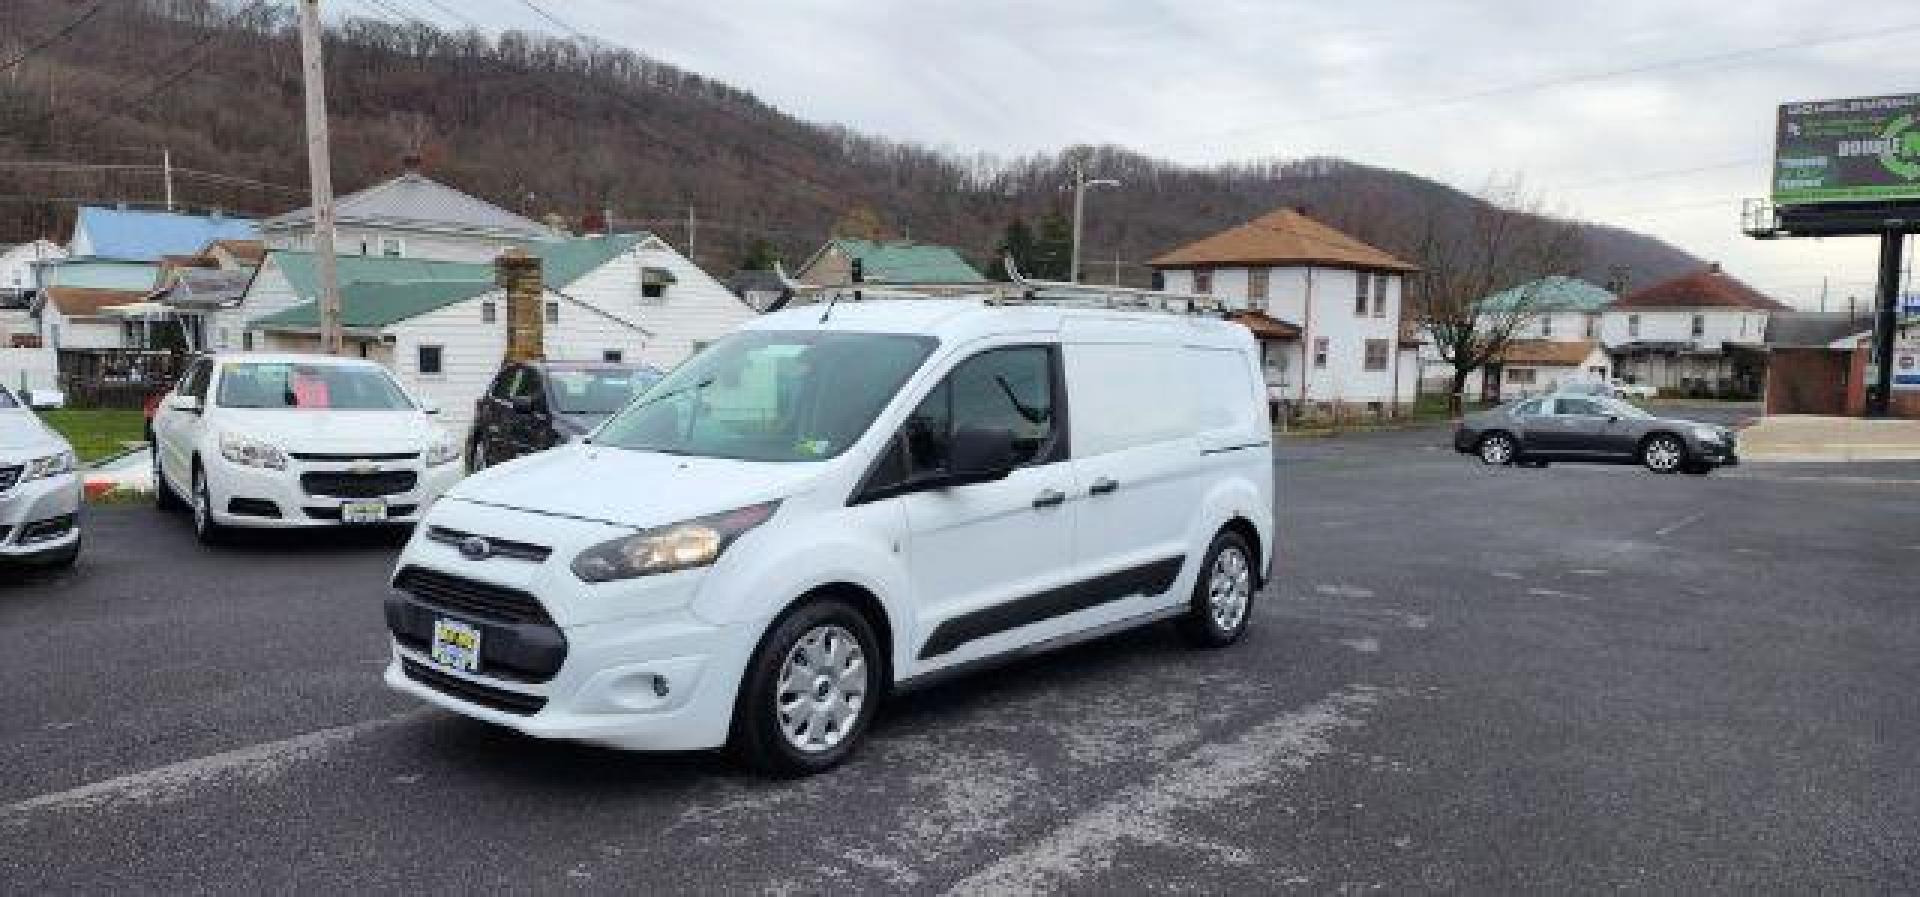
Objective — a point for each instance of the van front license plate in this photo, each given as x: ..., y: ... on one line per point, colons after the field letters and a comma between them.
x: 363, y: 512
x: 456, y: 645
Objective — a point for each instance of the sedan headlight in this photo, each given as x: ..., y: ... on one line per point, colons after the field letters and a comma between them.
x: 1707, y: 434
x: 441, y: 452
x: 49, y: 466
x: 251, y: 452
x: 664, y: 549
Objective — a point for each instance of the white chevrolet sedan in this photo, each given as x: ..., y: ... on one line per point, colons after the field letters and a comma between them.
x: 39, y: 490
x: 285, y: 441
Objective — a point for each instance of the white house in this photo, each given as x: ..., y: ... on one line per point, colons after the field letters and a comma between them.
x: 1354, y: 350
x: 1701, y: 333
x: 441, y: 326
x: 17, y: 263
x: 411, y: 216
x: 1555, y: 325
x: 75, y: 293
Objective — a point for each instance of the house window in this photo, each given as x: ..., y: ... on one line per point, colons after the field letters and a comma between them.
x: 612, y: 356
x: 654, y: 283
x: 1520, y: 376
x: 700, y: 345
x: 392, y: 247
x: 225, y: 339
x: 1320, y: 346
x: 1593, y: 326
x: 1546, y: 325
x: 1202, y: 281
x: 1257, y: 287
x: 1376, y: 355
x: 246, y: 341
x: 1360, y: 296
x: 553, y: 312
x: 1380, y: 295
x: 1699, y: 326
x: 1633, y: 326
x: 432, y: 360
x: 489, y: 312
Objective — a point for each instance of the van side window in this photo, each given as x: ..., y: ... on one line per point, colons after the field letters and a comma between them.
x: 1010, y: 389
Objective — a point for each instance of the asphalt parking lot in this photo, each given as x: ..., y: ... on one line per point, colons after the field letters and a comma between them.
x: 1465, y: 678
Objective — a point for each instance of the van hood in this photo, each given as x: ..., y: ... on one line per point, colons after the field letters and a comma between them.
x: 334, y: 430
x: 630, y: 488
x: 22, y: 433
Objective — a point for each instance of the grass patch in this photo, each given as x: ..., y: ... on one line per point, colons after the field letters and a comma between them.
x: 97, y: 432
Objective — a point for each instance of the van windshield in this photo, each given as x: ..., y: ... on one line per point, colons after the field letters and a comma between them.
x: 770, y: 396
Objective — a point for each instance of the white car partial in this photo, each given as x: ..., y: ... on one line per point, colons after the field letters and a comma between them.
x: 290, y: 441
x: 1625, y: 390
x: 833, y: 504
x: 40, y: 490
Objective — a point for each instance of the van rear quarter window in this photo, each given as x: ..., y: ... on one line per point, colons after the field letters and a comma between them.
x: 1123, y: 396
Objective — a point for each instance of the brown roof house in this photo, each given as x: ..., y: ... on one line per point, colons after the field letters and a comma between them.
x: 1702, y: 333
x: 1325, y: 305
x: 1535, y: 366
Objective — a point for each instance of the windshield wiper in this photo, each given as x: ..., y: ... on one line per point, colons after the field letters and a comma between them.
x: 678, y: 390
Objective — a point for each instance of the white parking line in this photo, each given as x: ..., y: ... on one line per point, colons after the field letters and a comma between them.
x: 256, y: 763
x: 1675, y: 526
x: 1198, y: 783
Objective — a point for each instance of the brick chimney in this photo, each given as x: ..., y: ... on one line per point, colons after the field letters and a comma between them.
x: 519, y: 274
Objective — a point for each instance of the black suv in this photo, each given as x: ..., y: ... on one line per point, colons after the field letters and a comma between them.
x: 535, y: 405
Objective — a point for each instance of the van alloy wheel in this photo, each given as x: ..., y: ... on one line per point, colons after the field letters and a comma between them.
x: 1229, y: 587
x: 823, y: 684
x: 1663, y: 454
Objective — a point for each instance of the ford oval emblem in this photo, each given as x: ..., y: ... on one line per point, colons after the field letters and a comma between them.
x: 474, y: 548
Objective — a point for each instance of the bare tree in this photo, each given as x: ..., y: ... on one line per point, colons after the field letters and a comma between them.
x: 1468, y: 251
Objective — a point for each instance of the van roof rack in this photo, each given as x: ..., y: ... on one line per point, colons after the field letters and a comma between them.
x: 1031, y: 291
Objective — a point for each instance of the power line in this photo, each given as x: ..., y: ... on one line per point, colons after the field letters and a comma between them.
x: 179, y: 74
x: 1666, y: 173
x: 1580, y: 78
x: 55, y: 37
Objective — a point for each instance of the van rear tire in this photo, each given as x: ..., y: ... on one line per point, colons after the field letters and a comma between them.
x: 1222, y: 602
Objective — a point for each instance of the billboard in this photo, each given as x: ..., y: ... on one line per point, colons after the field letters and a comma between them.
x: 1848, y: 150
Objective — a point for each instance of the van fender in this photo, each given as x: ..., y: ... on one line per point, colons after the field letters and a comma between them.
x: 761, y: 584
x: 1231, y: 498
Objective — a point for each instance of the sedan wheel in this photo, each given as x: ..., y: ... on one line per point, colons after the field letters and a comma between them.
x: 1497, y: 448
x: 204, y: 526
x: 1663, y: 454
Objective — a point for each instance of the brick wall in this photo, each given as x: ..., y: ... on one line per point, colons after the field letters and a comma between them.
x: 1807, y: 381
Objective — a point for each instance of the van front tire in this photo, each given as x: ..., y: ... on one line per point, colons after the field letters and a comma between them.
x: 810, y: 691
x: 1222, y: 602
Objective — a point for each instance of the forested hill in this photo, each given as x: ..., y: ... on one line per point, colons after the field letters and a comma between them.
x: 550, y: 126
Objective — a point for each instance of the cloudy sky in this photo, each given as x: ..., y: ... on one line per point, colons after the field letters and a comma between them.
x: 1655, y: 115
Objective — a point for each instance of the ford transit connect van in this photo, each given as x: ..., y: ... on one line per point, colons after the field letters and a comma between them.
x: 830, y: 505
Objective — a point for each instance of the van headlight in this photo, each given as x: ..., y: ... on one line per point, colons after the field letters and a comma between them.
x: 250, y: 452
x: 441, y: 451
x: 664, y: 549
x: 49, y: 466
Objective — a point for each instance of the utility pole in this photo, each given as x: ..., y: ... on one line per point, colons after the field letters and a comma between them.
x: 166, y: 173
x: 1079, y: 186
x: 1885, y: 319
x: 693, y: 227
x: 320, y: 175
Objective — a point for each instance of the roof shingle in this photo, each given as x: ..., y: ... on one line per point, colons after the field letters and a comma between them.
x: 1282, y: 237
x: 415, y: 201
x: 1709, y: 287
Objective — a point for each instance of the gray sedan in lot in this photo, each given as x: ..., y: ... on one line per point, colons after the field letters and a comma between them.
x: 1593, y: 428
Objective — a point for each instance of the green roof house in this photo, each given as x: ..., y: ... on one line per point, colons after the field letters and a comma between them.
x: 889, y: 262
x: 441, y: 326
x: 1556, y: 308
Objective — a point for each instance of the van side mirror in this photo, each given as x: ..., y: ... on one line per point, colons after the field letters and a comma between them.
x: 981, y: 454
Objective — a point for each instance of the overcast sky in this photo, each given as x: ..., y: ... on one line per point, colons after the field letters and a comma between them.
x: 1435, y: 88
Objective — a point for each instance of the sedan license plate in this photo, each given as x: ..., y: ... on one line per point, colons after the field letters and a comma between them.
x: 456, y: 645
x: 363, y: 512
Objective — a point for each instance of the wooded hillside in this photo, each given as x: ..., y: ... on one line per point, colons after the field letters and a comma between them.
x: 544, y: 126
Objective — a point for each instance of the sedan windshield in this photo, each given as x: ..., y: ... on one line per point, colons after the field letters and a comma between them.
x: 598, y: 390
x: 770, y: 396
x: 309, y: 386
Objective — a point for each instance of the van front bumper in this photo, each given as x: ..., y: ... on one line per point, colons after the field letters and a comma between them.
x: 40, y: 520
x: 660, y: 683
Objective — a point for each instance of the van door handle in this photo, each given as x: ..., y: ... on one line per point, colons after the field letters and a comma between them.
x: 1103, y: 486
x: 1049, y: 498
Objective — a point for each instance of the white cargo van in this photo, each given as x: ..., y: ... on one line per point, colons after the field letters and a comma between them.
x: 832, y: 504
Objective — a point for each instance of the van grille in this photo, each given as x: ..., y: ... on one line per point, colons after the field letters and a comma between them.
x: 472, y: 692
x: 483, y: 600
